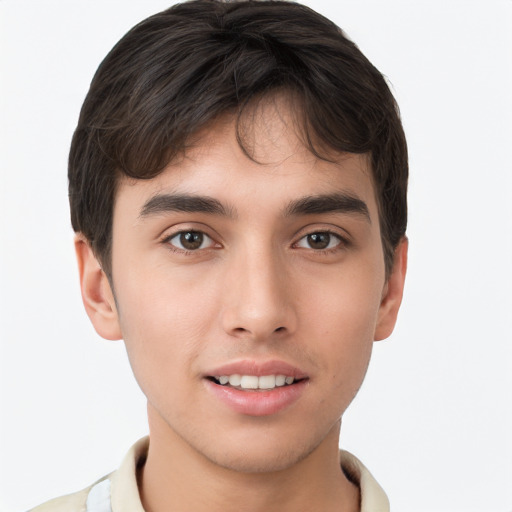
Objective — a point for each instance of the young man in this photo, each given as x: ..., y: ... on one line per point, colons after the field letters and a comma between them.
x: 238, y: 188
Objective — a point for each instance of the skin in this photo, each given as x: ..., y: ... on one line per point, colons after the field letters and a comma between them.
x: 255, y: 289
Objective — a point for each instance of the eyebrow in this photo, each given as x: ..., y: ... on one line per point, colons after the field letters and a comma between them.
x: 329, y: 203
x: 307, y: 205
x: 162, y: 203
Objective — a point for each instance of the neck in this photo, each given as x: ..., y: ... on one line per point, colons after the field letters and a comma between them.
x: 177, y: 477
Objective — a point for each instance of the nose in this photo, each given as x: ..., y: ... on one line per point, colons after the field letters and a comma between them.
x: 258, y: 297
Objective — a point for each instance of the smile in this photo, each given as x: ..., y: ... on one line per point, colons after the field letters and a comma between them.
x: 253, y: 381
x: 256, y: 388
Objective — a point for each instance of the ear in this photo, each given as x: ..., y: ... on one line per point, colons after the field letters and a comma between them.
x: 97, y: 294
x: 392, y: 294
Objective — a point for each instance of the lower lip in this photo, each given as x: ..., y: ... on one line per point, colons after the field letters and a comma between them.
x: 258, y: 402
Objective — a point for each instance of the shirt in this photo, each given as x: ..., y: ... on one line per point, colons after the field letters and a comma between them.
x: 118, y: 491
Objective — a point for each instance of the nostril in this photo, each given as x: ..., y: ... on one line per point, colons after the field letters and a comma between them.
x: 279, y: 329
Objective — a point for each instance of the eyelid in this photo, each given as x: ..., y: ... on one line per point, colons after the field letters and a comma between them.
x: 341, y: 234
x: 178, y: 230
x: 339, y: 239
x: 335, y: 230
x: 178, y: 235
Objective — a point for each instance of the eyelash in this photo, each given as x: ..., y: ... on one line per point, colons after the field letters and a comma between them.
x: 186, y: 252
x: 343, y: 242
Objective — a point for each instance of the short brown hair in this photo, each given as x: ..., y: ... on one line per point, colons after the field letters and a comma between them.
x: 180, y: 69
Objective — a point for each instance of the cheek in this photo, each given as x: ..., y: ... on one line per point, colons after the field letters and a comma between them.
x: 346, y: 345
x: 344, y: 306
x: 165, y: 300
x: 342, y: 318
x: 164, y: 321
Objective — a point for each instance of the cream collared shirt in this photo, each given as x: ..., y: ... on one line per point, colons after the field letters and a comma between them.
x: 118, y: 491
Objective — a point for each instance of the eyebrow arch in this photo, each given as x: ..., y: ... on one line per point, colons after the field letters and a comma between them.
x: 329, y: 203
x: 162, y: 203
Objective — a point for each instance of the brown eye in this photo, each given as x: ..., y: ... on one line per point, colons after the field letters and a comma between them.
x: 191, y: 240
x: 319, y: 241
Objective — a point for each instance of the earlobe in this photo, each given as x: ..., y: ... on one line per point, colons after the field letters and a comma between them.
x: 393, y: 292
x: 96, y: 291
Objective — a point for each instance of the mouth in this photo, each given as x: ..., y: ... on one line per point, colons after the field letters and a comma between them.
x: 255, y: 388
x: 254, y: 382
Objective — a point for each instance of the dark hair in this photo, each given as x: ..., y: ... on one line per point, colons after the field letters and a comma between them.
x: 180, y: 69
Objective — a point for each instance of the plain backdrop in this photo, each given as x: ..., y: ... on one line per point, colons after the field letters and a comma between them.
x: 433, y: 421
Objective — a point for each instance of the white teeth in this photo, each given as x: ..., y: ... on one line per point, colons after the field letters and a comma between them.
x: 249, y: 382
x: 267, y: 382
x: 235, y: 380
x: 280, y: 380
x: 255, y: 382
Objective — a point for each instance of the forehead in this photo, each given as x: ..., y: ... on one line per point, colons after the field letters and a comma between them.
x: 262, y: 154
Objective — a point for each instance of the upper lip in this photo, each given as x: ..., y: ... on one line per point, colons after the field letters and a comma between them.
x: 257, y: 368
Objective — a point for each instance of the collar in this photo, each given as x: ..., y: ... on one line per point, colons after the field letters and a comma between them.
x: 373, y: 497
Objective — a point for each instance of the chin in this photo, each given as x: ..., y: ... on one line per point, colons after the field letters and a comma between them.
x: 257, y: 460
x: 263, y: 451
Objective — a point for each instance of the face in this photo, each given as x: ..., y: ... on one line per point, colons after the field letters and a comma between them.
x: 249, y: 293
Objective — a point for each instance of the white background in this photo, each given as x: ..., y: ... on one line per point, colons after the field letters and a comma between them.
x: 433, y: 421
